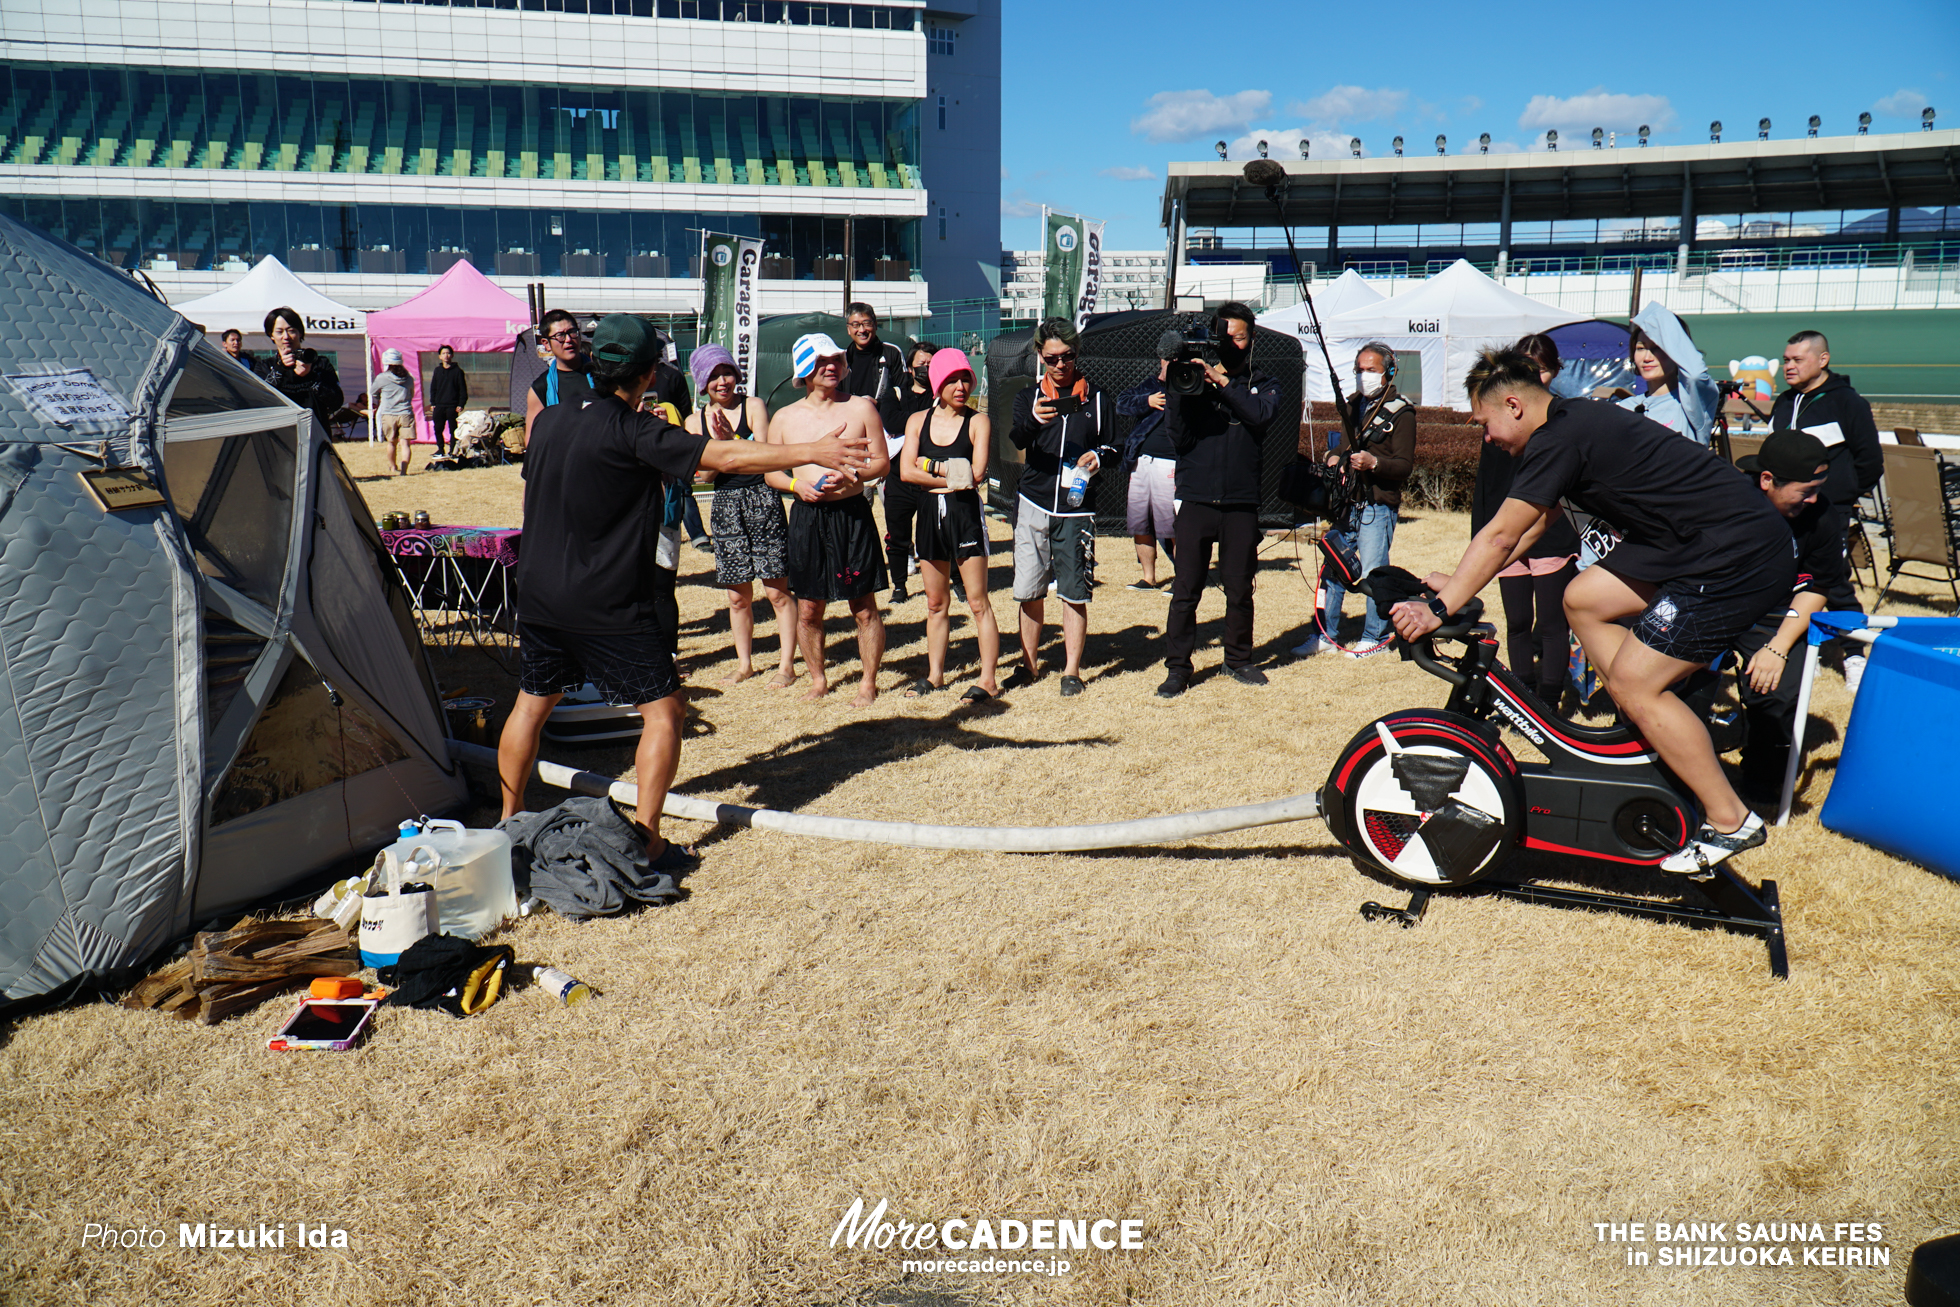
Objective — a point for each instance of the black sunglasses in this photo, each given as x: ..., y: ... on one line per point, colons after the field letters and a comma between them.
x: 1056, y: 360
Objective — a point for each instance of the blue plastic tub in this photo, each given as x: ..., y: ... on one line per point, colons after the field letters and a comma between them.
x: 1898, y: 779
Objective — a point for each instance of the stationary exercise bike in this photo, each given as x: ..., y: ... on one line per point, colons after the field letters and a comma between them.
x: 1433, y: 797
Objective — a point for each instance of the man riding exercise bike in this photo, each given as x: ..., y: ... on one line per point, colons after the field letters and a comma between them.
x: 1688, y: 550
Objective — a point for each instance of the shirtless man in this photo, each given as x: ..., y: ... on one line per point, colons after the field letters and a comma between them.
x: 835, y: 551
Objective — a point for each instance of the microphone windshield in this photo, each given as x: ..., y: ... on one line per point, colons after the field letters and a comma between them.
x: 1264, y: 172
x: 1170, y: 344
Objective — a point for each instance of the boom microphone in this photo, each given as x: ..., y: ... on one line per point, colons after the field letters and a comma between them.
x: 1264, y: 172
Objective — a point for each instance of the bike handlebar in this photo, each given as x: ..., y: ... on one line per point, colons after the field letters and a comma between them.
x: 1467, y: 625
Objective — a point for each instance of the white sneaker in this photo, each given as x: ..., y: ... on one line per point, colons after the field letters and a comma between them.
x: 1854, y: 671
x: 1710, y: 846
x: 1310, y: 646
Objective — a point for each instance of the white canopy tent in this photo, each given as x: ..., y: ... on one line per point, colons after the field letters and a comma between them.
x: 268, y: 286
x: 1447, y: 319
x: 1348, y: 291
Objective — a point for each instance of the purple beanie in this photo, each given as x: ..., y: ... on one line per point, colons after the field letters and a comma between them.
x: 703, y: 362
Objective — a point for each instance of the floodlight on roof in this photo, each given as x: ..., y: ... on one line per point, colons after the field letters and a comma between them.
x: 1715, y: 131
x: 1644, y: 131
x: 1864, y: 123
x: 1305, y: 145
x: 1354, y: 146
x: 1599, y: 138
x: 1926, y: 119
x: 1483, y: 143
x: 1762, y: 129
x: 1551, y: 139
x: 1442, y: 142
x: 1398, y: 147
x: 1815, y: 123
x: 1262, y: 149
x: 1220, y: 147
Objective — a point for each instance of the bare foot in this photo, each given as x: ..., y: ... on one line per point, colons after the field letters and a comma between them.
x: 737, y: 676
x: 866, y: 696
x: 817, y: 690
x: 782, y: 680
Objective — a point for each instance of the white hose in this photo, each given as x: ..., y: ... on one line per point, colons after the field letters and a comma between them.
x: 993, y: 839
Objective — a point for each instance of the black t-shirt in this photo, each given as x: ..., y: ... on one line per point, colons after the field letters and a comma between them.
x: 572, y: 386
x: 592, y: 510
x: 1821, y: 530
x: 1654, y: 506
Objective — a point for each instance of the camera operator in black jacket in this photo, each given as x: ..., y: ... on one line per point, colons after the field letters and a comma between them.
x: 1217, y: 434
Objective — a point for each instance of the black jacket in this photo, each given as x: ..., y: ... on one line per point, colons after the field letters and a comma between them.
x: 1390, y: 435
x: 878, y: 374
x: 1857, y: 461
x: 318, y: 391
x: 1135, y: 403
x: 1064, y: 441
x: 1218, y: 434
x: 448, y: 387
x: 670, y: 387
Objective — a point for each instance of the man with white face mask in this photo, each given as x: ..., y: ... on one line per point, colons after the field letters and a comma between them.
x: 1383, y: 454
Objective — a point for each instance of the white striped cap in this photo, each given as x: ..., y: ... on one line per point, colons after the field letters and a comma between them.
x: 803, y: 355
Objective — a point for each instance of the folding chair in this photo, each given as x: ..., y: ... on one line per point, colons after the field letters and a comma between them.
x: 1922, y: 524
x: 1908, y: 436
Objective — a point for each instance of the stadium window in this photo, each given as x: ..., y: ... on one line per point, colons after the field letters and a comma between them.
x: 942, y: 224
x: 942, y: 113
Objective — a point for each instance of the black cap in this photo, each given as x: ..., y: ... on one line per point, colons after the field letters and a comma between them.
x: 1788, y: 456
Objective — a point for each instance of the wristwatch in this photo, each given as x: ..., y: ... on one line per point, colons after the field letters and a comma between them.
x: 1436, y: 606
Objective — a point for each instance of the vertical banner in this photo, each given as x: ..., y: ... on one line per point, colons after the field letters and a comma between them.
x: 729, y: 266
x: 1073, y: 273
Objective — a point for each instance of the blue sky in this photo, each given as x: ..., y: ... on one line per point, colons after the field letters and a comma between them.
x: 1098, y: 97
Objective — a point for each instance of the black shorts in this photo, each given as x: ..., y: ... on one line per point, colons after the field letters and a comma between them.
x: 950, y: 528
x: 626, y: 667
x: 1697, y: 621
x: 834, y: 550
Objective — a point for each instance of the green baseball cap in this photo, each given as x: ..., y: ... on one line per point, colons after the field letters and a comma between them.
x: 627, y: 339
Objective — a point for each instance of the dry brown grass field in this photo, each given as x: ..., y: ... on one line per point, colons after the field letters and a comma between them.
x: 1299, y: 1106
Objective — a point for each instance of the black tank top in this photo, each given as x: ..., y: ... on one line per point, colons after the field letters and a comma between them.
x: 742, y: 431
x: 961, y: 447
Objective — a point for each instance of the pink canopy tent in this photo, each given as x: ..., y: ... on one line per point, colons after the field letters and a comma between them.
x: 464, y: 310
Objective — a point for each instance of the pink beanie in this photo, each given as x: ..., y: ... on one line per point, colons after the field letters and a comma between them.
x: 946, y: 364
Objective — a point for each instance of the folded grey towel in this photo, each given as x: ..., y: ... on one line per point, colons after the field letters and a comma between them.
x: 585, y: 859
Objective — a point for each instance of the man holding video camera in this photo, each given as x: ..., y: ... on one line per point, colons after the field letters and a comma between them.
x: 1380, y: 460
x: 1217, y: 415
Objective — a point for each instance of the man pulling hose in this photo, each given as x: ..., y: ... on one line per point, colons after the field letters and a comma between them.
x: 1688, y: 549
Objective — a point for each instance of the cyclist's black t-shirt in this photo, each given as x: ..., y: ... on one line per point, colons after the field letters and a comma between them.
x: 1654, y: 506
x: 593, y: 478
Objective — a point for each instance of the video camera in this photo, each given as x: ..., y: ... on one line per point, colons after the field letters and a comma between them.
x: 1187, y: 351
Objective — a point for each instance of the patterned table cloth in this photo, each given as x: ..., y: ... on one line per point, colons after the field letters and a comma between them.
x: 497, y: 544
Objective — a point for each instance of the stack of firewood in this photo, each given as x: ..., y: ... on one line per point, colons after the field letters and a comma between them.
x: 231, y: 970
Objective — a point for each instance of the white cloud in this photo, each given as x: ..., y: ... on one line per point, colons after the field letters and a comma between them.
x: 1902, y: 103
x: 1470, y: 104
x: 1356, y: 103
x: 1130, y: 174
x: 1578, y: 114
x: 1019, y: 206
x: 1182, y: 115
x: 1284, y: 143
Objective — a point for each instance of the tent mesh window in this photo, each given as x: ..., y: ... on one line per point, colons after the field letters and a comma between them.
x: 301, y: 742
x: 235, y: 496
x: 229, y: 652
x: 209, y: 385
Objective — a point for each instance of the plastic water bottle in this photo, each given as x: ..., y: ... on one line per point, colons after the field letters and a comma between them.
x: 409, y: 829
x: 1078, y: 485
x: 561, y: 985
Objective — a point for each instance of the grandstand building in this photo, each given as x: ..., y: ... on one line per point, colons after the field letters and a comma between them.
x: 582, y: 143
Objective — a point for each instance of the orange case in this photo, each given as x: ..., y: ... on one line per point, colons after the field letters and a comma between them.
x: 336, y: 987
